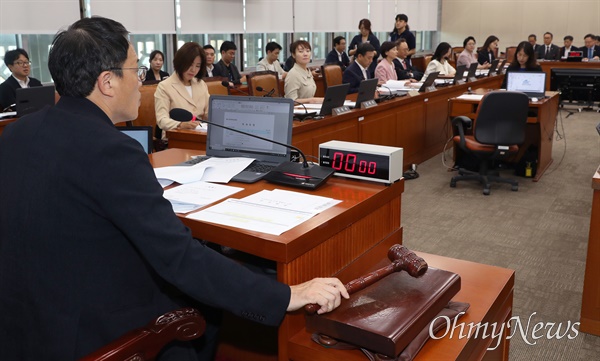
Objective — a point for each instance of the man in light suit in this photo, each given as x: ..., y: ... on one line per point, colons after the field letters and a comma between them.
x: 548, y: 51
x: 90, y: 249
x: 590, y: 50
x: 359, y: 69
x: 338, y: 54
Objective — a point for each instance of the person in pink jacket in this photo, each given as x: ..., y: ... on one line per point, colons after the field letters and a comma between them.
x: 385, y: 69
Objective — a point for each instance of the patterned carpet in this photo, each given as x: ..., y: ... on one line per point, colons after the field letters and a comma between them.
x: 541, y: 232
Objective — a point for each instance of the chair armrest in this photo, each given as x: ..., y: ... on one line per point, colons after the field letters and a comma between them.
x: 461, y: 122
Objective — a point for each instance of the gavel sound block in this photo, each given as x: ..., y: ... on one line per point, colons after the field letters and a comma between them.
x: 388, y: 308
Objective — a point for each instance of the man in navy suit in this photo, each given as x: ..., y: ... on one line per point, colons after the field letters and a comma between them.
x: 590, y: 50
x: 403, y: 65
x: 89, y: 248
x: 548, y: 51
x: 359, y: 69
x: 338, y: 54
x: 19, y: 65
x: 532, y: 38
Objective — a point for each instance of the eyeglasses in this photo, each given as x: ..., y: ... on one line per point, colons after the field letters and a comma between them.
x: 141, y: 72
x: 22, y: 63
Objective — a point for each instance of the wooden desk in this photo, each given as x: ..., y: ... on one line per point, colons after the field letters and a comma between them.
x: 547, y: 67
x: 348, y: 236
x: 418, y: 124
x: 539, y: 132
x: 488, y: 289
x: 5, y: 122
x: 590, y: 304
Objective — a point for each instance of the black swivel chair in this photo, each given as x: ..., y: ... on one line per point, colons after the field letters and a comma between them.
x: 498, y: 130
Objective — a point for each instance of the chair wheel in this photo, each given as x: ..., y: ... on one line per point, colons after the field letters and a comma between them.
x: 452, y: 183
x: 514, y: 188
x: 486, y: 192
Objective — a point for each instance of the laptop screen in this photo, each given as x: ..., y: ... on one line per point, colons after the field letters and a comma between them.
x: 29, y: 100
x: 269, y: 118
x: 529, y: 82
x: 142, y: 134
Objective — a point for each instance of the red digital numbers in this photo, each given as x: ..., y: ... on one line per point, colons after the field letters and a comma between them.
x: 346, y: 162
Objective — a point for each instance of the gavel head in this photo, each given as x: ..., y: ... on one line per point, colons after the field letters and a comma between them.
x: 405, y: 259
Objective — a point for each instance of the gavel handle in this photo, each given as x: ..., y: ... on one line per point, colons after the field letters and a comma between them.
x: 362, y: 282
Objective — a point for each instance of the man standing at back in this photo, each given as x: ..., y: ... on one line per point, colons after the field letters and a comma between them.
x: 19, y: 65
x: 359, y: 69
x: 548, y: 51
x: 338, y: 54
x: 225, y: 67
x: 89, y: 248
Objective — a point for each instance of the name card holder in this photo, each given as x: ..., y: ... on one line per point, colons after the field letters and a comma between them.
x: 473, y: 78
x: 412, y: 93
x: 368, y: 104
x: 459, y: 82
x: 341, y: 110
x: 430, y: 89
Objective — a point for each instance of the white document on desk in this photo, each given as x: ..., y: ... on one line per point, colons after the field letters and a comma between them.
x: 189, y: 197
x: 271, y: 212
x: 316, y: 107
x: 219, y: 170
x: 476, y: 97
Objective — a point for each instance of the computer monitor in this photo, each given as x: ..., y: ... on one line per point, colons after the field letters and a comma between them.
x: 532, y: 83
x: 366, y: 91
x: 29, y: 100
x: 142, y: 134
x: 335, y: 96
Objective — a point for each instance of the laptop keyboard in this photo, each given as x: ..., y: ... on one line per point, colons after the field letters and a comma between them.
x: 254, y: 167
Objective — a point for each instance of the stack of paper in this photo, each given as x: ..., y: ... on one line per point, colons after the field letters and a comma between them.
x: 219, y: 170
x: 192, y: 196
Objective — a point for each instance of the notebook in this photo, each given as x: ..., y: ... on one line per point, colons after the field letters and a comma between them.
x: 366, y: 91
x: 532, y: 83
x: 269, y: 118
x: 142, y: 134
x: 29, y: 100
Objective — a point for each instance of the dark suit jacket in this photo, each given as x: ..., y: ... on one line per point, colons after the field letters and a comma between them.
x: 406, y: 73
x: 90, y: 249
x: 353, y: 75
x: 562, y: 50
x: 596, y: 52
x: 484, y: 57
x: 332, y: 58
x: 8, y: 90
x: 150, y: 75
x: 553, y: 54
x: 231, y: 72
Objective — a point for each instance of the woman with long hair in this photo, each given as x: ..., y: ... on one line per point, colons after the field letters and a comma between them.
x: 524, y: 60
x: 365, y: 36
x: 487, y: 52
x: 439, y: 61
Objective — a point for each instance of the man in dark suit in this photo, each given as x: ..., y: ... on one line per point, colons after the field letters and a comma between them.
x: 338, y: 54
x: 19, y: 65
x: 565, y: 50
x: 590, y: 50
x: 90, y: 249
x: 403, y: 64
x: 359, y: 69
x: 532, y: 38
x: 225, y: 67
x: 548, y: 51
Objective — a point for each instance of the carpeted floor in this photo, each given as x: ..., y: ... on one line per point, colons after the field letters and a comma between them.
x: 541, y: 232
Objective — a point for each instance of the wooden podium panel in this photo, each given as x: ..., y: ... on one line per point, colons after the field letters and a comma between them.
x: 590, y: 304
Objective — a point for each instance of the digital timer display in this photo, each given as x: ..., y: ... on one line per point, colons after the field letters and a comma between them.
x: 356, y: 163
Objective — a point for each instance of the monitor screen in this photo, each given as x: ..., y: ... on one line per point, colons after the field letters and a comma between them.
x: 141, y: 134
x: 528, y: 82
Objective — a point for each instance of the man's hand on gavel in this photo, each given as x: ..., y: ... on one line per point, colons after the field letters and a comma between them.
x: 325, y: 292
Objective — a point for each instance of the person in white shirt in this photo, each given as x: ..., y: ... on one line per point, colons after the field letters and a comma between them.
x: 439, y: 61
x: 209, y: 51
x: 565, y: 50
x: 271, y: 61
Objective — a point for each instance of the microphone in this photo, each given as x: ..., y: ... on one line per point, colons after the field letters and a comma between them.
x: 225, y: 83
x: 301, y: 175
x: 269, y: 93
x: 391, y: 95
x: 306, y: 114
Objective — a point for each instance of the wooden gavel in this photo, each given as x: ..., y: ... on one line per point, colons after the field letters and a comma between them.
x: 402, y: 259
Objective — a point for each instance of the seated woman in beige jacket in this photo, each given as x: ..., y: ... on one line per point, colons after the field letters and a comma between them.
x: 185, y: 89
x: 439, y: 62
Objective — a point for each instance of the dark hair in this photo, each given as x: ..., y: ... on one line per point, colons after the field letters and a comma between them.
x: 82, y: 52
x: 400, y: 17
x: 568, y: 37
x: 400, y: 41
x: 363, y: 49
x: 385, y: 47
x: 441, y: 50
x: 467, y: 40
x: 185, y: 56
x: 293, y: 46
x: 549, y: 33
x: 272, y: 46
x: 490, y: 39
x: 208, y: 46
x: 227, y: 45
x: 590, y: 36
x: 366, y: 23
x: 528, y: 50
x: 532, y: 35
x: 154, y: 53
x: 337, y: 40
x: 12, y: 55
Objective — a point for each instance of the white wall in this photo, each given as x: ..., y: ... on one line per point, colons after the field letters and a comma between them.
x: 513, y: 20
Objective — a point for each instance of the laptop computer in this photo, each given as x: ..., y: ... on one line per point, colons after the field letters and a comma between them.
x: 460, y: 74
x: 142, y: 134
x: 493, y: 69
x: 334, y: 97
x: 532, y: 83
x: 366, y: 91
x: 471, y: 76
x: 29, y: 100
x: 265, y: 117
x: 429, y: 81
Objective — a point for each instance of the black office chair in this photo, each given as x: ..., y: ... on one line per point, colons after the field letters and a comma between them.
x: 498, y: 130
